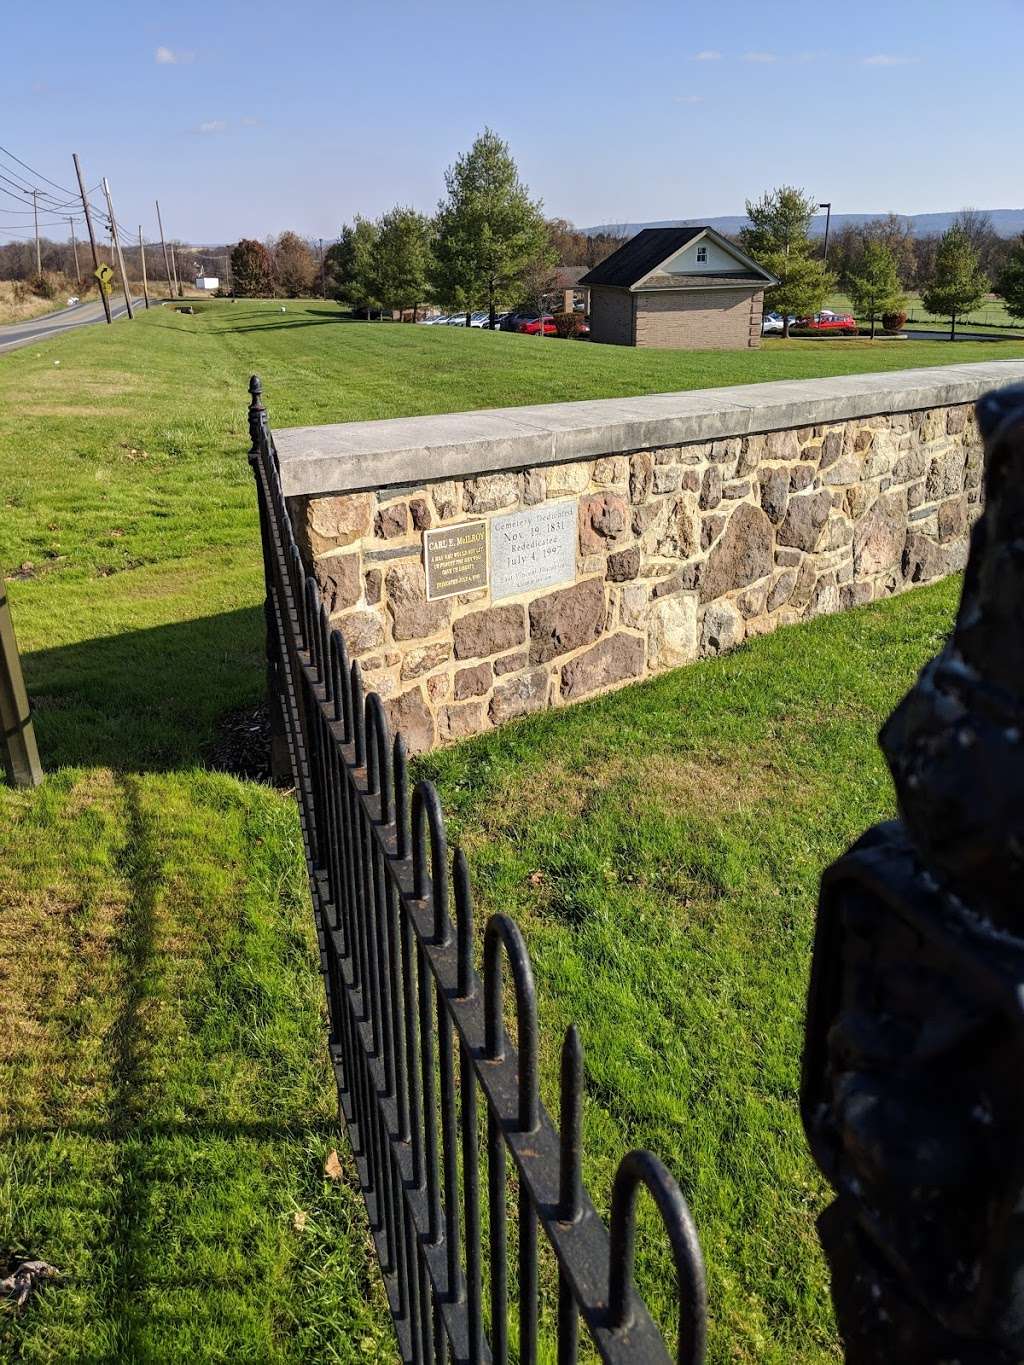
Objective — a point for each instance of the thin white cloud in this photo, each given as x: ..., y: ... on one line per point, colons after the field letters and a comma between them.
x: 889, y: 59
x: 169, y: 56
x: 709, y: 56
x: 213, y: 125
x: 759, y: 56
x: 251, y: 122
x: 688, y: 99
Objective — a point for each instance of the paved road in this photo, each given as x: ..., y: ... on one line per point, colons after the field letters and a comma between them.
x: 927, y: 334
x: 39, y: 329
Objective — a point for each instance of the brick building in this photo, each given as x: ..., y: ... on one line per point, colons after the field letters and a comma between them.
x: 677, y: 287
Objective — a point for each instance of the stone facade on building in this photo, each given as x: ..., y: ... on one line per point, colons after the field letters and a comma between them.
x: 682, y: 552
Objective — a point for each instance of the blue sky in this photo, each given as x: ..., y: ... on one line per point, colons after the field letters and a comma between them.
x: 249, y: 118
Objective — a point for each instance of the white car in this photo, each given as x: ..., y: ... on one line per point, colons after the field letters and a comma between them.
x: 72, y: 300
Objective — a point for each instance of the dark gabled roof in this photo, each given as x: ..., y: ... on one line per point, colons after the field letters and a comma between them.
x: 640, y: 255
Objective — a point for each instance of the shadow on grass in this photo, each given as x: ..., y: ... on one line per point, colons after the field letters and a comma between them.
x: 145, y: 700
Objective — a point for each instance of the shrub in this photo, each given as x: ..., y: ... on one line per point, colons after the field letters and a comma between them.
x: 47, y: 285
x: 893, y: 322
x: 568, y: 324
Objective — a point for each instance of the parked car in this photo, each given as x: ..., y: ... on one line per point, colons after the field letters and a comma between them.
x: 436, y: 321
x: 479, y: 319
x: 499, y: 318
x: 72, y: 300
x: 827, y: 321
x: 511, y: 321
x: 533, y: 325
x: 772, y: 322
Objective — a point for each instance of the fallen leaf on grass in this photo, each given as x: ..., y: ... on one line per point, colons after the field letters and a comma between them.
x: 537, y: 878
x: 332, y: 1167
x: 26, y: 1280
x: 299, y: 1220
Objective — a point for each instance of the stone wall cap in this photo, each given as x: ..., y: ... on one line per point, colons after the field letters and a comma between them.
x: 348, y: 456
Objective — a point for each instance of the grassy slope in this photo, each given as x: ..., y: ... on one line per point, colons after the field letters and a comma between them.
x: 165, y: 1086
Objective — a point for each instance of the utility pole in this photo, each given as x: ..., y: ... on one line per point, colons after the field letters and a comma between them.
x: 35, y: 215
x: 167, y: 261
x: 17, y: 738
x: 92, y: 235
x: 174, y: 267
x: 117, y: 248
x: 828, y: 219
x: 74, y: 247
x: 142, y: 258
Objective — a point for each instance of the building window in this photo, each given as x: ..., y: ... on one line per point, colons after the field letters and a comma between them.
x: 702, y: 255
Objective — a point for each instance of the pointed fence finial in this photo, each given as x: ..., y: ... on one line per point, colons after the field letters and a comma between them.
x: 257, y: 412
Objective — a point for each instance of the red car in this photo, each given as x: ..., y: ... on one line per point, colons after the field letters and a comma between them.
x: 532, y: 327
x: 829, y: 322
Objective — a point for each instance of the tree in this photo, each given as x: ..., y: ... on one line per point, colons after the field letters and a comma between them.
x: 1010, y: 284
x: 350, y: 266
x: 488, y: 229
x: 897, y: 234
x: 874, y: 285
x: 401, y: 259
x: 294, y: 265
x: 779, y: 221
x: 778, y: 236
x: 251, y: 269
x: 804, y: 284
x: 958, y: 284
x: 987, y: 243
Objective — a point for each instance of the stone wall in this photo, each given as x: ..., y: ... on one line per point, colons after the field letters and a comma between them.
x: 682, y: 551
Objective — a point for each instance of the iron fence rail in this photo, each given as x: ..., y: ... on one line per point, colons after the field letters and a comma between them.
x: 418, y: 1040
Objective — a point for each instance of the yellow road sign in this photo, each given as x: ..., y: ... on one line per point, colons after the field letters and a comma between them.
x: 104, y: 273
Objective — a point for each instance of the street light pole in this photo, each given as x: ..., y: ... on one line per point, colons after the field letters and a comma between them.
x: 828, y: 219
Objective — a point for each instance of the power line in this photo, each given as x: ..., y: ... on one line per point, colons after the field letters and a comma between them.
x: 63, y: 188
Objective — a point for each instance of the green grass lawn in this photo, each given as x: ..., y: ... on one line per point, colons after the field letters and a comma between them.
x: 165, y: 1108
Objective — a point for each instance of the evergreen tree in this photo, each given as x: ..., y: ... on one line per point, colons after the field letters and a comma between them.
x: 778, y: 238
x: 958, y: 284
x: 488, y: 229
x: 873, y: 284
x: 350, y: 266
x: 401, y: 259
x: 251, y: 269
x: 1011, y: 280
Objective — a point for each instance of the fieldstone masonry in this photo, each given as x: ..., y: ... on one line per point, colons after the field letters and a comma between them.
x: 683, y: 550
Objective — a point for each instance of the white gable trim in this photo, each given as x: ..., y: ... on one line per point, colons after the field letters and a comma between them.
x: 740, y: 257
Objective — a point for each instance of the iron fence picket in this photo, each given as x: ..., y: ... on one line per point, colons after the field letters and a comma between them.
x: 405, y: 1000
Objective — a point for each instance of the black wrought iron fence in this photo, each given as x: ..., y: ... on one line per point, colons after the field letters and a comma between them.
x: 419, y: 1044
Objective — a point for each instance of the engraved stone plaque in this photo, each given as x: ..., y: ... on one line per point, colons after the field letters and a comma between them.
x: 533, y: 549
x: 455, y: 559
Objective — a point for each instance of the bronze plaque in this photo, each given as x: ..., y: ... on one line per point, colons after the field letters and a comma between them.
x: 455, y: 559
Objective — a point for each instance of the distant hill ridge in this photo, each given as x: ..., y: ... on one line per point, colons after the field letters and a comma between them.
x: 1006, y: 222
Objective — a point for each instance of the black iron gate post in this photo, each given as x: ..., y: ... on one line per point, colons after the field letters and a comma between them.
x: 418, y: 1039
x: 912, y: 1091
